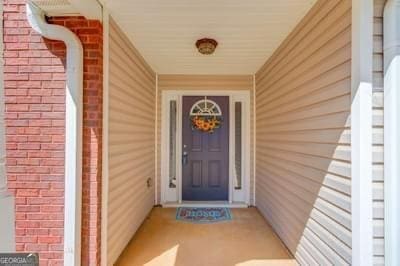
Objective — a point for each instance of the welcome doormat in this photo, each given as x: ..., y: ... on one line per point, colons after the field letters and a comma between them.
x: 203, y: 215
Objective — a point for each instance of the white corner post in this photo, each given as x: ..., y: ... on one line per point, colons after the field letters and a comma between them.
x: 7, y: 212
x: 361, y: 132
x: 73, y: 130
x: 391, y: 50
x: 156, y: 200
x: 254, y: 139
x: 105, y: 161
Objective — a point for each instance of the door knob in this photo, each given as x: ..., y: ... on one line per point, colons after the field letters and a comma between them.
x: 185, y: 158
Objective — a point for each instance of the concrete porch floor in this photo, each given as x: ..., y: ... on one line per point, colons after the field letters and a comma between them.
x: 247, y: 240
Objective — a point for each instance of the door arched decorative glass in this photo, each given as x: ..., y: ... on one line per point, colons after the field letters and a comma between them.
x: 206, y: 115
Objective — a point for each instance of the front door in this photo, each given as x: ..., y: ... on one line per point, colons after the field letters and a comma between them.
x: 205, y: 159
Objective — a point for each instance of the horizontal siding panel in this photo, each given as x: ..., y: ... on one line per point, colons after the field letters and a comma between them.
x: 303, y: 137
x: 378, y: 209
x: 206, y: 82
x: 341, y: 250
x: 131, y: 142
x: 377, y: 81
x: 333, y: 76
x: 336, y: 214
x: 377, y: 172
x: 324, y: 248
x: 297, y: 101
x: 318, y: 163
x: 377, y: 117
x: 334, y: 121
x: 280, y: 211
x: 338, y: 183
x: 379, y: 247
x: 378, y: 228
x: 307, y: 172
x: 377, y: 99
x: 288, y: 235
x: 323, y: 107
x: 313, y: 149
x: 339, y: 199
x: 339, y: 58
x: 377, y: 191
x: 307, y: 247
x: 377, y: 136
x: 340, y: 231
x: 294, y: 188
x: 315, y: 50
x: 315, y: 136
x: 378, y: 260
x: 311, y: 21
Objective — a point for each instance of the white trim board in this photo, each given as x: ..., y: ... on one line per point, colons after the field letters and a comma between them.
x: 156, y: 144
x: 206, y: 204
x: 174, y: 195
x: 104, y: 188
x: 254, y: 139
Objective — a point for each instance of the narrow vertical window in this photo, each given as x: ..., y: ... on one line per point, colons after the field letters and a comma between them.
x: 238, y: 145
x: 172, y: 144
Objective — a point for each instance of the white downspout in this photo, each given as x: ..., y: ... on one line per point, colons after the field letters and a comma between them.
x: 391, y: 49
x: 73, y: 130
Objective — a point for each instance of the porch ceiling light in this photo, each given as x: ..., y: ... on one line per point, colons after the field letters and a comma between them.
x: 206, y: 46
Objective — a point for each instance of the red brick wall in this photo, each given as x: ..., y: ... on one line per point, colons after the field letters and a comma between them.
x: 35, y: 111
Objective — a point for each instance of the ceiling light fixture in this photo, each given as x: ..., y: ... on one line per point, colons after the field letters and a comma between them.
x: 206, y: 46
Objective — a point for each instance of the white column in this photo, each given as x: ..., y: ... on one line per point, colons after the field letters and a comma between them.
x: 391, y: 51
x: 361, y: 132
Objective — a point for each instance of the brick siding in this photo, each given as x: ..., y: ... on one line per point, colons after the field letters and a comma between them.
x: 34, y: 82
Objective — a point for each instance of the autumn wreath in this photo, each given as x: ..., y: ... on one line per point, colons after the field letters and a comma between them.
x: 205, y: 123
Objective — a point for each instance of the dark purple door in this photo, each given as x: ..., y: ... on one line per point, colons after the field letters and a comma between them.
x: 205, y: 162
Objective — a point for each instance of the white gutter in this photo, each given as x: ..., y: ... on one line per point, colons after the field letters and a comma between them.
x: 73, y: 130
x: 391, y: 49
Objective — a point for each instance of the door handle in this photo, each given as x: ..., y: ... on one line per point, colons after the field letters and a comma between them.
x: 185, y: 158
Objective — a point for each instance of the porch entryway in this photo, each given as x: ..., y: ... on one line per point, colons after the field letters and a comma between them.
x: 246, y: 240
x: 94, y: 138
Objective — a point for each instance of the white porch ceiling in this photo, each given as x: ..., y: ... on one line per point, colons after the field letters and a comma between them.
x: 248, y: 32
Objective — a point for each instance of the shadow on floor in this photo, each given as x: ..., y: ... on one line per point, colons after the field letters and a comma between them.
x: 247, y: 240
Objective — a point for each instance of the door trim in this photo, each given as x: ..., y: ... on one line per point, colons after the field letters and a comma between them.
x: 174, y: 195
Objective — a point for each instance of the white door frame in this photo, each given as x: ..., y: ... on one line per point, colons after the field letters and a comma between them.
x: 174, y: 195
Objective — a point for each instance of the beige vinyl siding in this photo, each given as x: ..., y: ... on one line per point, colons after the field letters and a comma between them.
x: 203, y: 82
x: 377, y: 122
x: 131, y: 141
x: 303, y: 102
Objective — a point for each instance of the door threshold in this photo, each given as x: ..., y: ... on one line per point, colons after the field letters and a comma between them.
x: 205, y: 204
